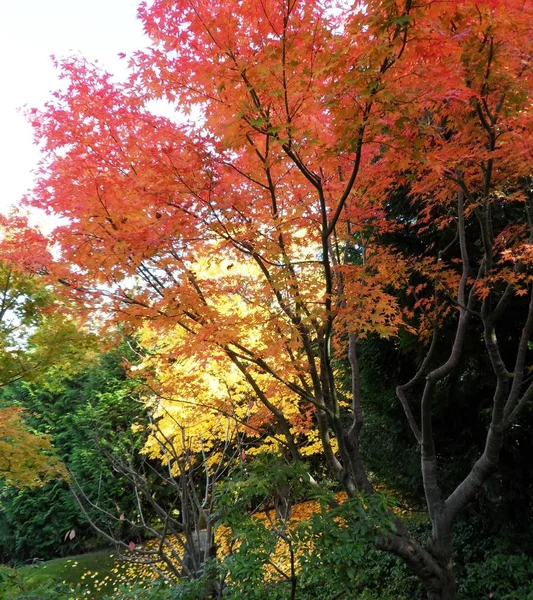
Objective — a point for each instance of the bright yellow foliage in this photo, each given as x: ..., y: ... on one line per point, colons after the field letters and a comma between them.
x: 202, y: 398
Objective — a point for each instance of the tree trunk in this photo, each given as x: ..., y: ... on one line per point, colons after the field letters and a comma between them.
x: 198, y: 547
x: 432, y: 564
x: 447, y: 590
x: 441, y: 547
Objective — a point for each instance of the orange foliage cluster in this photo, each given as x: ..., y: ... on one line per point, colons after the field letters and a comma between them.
x: 26, y: 459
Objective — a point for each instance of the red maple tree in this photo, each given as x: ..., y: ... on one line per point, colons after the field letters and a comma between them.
x: 311, y: 116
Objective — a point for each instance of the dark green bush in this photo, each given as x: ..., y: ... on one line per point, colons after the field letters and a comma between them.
x: 499, y: 577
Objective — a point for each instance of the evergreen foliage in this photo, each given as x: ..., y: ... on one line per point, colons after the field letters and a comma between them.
x: 84, y: 414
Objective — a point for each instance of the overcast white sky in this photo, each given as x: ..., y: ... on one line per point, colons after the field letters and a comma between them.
x: 31, y: 31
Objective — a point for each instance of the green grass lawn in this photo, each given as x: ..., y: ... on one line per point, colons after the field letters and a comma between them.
x: 88, y: 575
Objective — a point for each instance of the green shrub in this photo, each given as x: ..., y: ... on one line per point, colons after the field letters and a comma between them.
x: 499, y: 577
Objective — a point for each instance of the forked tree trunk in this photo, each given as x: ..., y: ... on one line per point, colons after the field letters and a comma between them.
x: 432, y: 563
x: 441, y: 586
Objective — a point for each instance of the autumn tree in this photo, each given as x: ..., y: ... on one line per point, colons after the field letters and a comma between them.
x: 311, y: 116
x: 36, y: 335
